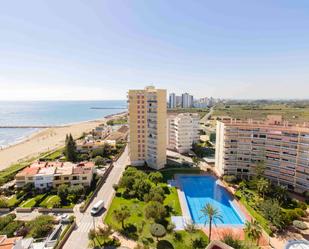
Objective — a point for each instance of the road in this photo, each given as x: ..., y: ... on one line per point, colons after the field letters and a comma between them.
x: 79, y: 237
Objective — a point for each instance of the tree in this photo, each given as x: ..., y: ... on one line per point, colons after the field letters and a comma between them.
x: 70, y: 149
x: 262, y: 186
x: 157, y: 230
x: 92, y: 235
x: 76, y: 191
x: 155, y: 194
x: 121, y: 215
x: 155, y: 210
x: 99, y: 161
x: 63, y: 193
x: 253, y: 231
x: 281, y: 194
x: 212, y: 137
x: 141, y: 187
x: 210, y: 213
x: 260, y: 169
x: 155, y: 177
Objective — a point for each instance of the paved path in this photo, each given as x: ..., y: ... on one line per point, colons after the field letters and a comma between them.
x: 79, y: 237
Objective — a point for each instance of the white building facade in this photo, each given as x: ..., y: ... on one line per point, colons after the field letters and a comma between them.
x: 172, y: 101
x: 183, y: 131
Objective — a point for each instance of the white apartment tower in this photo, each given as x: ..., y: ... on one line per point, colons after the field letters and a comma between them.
x: 183, y: 131
x: 186, y: 100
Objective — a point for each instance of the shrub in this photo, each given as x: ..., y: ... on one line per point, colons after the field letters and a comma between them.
x: 12, y: 227
x: 302, y: 205
x: 291, y: 215
x: 157, y: 230
x: 177, y: 236
x: 300, y: 212
x: 299, y: 224
x: 199, y: 242
x: 115, y: 187
x: 5, y: 220
x: 230, y: 178
x: 231, y: 241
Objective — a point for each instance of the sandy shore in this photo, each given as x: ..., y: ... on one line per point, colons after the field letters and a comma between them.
x: 45, y: 140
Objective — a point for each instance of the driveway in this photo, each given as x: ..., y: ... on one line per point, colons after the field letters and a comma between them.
x: 79, y: 237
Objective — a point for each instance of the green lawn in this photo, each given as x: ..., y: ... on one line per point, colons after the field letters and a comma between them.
x: 12, y: 201
x: 49, y: 201
x: 29, y: 203
x: 138, y: 221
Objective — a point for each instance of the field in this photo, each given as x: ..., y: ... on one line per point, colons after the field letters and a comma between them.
x: 201, y: 111
x: 289, y: 111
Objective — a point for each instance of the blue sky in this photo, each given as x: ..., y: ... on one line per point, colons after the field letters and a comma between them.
x: 99, y: 49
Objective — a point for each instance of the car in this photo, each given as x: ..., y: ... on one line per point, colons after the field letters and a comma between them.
x: 64, y: 219
x: 97, y: 207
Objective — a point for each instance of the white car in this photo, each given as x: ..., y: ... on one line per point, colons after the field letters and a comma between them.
x: 97, y: 207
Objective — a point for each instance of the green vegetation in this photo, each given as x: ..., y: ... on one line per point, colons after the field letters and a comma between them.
x: 210, y: 213
x: 51, y: 201
x: 201, y: 111
x: 253, y: 231
x: 270, y: 205
x: 32, y: 202
x: 139, y: 203
x: 70, y: 149
x: 169, y: 173
x: 55, y: 155
x: 203, y: 149
x: 40, y: 227
x: 118, y: 121
x: 298, y: 112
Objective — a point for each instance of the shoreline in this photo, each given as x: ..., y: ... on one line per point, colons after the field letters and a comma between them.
x: 47, y: 139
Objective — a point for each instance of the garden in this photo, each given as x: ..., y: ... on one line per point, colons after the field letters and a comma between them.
x: 270, y: 204
x: 39, y: 227
x: 141, y: 211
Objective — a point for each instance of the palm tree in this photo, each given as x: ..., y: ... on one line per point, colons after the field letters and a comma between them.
x: 210, y: 213
x: 253, y: 231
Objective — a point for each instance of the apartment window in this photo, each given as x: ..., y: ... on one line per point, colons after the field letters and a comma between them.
x: 66, y: 178
x: 84, y: 177
x: 75, y: 177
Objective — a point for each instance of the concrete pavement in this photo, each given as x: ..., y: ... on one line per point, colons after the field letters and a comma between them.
x: 79, y: 237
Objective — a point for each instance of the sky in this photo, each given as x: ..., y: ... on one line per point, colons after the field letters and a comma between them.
x: 74, y: 49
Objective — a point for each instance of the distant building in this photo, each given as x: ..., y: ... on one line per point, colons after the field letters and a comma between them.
x: 183, y: 131
x: 45, y: 175
x: 186, y: 100
x: 178, y: 101
x: 282, y: 148
x: 147, y: 127
x: 172, y: 101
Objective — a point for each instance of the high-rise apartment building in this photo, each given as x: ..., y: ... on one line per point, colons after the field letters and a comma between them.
x: 186, y: 100
x: 282, y: 148
x: 147, y: 123
x: 183, y: 131
x: 172, y: 101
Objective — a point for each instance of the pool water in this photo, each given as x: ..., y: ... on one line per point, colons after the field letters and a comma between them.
x: 200, y: 190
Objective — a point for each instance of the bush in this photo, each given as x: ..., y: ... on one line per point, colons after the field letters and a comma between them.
x: 5, y: 220
x: 299, y: 224
x: 230, y: 178
x: 231, y: 241
x: 302, y: 205
x: 12, y: 227
x: 300, y: 212
x: 199, y: 242
x: 291, y: 215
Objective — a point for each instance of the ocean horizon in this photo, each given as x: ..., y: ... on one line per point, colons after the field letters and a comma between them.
x: 35, y: 113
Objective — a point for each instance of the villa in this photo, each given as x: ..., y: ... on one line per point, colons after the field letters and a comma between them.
x: 45, y: 175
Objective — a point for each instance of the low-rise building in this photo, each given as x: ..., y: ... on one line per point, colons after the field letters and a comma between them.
x: 45, y: 175
x: 183, y: 131
x: 84, y: 146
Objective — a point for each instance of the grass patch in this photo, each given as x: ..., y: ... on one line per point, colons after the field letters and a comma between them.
x: 54, y: 155
x: 12, y: 201
x: 50, y: 201
x: 32, y: 202
x: 141, y: 225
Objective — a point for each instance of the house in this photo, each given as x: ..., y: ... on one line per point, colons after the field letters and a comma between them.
x: 45, y: 175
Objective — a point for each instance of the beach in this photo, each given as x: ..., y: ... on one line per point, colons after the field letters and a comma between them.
x: 46, y: 140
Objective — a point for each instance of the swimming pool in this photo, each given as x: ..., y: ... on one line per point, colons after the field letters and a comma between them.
x: 200, y: 190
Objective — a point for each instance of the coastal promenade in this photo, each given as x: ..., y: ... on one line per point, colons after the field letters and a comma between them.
x: 79, y: 237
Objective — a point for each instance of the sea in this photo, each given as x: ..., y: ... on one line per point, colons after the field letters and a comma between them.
x: 32, y: 113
